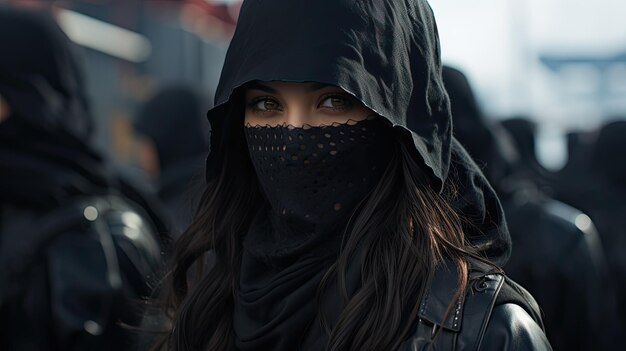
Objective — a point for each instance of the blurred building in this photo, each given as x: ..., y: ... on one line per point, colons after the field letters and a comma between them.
x: 131, y: 48
x: 558, y: 62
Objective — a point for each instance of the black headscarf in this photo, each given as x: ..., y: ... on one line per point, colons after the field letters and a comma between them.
x: 386, y: 54
x: 488, y: 143
x: 45, y: 154
x: 172, y: 113
x: 606, y: 160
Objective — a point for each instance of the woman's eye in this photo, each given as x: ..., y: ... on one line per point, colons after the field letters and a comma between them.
x: 336, y: 102
x: 266, y: 105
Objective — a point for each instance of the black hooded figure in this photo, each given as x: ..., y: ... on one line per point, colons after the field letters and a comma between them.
x: 172, y: 113
x: 524, y: 133
x: 556, y: 253
x: 607, y: 205
x: 373, y: 231
x: 75, y: 254
x: 600, y: 190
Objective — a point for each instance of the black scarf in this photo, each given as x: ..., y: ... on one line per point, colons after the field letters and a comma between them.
x: 386, y: 54
x: 313, y: 179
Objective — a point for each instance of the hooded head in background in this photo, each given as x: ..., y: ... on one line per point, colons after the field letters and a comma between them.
x: 488, y: 143
x: 605, y: 161
x: 48, y: 128
x: 173, y: 114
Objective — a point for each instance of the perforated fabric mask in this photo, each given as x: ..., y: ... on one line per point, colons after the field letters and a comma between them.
x: 313, y: 177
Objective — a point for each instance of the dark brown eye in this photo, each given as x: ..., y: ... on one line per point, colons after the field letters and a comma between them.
x: 266, y: 105
x: 336, y: 102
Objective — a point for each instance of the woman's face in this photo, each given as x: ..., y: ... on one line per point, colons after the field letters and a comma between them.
x: 296, y: 104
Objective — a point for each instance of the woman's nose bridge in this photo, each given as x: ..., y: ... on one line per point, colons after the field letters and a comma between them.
x: 297, y: 113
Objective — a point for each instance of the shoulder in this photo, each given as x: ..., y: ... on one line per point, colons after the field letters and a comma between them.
x: 106, y: 230
x: 89, y: 249
x: 552, y: 219
x: 493, y: 313
x: 510, y: 327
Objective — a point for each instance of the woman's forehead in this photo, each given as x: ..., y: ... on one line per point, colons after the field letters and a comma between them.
x: 279, y: 85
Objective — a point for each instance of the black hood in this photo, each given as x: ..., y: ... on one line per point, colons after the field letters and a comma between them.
x: 173, y: 112
x: 523, y: 131
x: 39, y: 75
x: 386, y: 54
x: 606, y: 159
x: 45, y: 154
x: 487, y: 142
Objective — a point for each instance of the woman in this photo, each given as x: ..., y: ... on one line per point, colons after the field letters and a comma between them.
x: 339, y: 212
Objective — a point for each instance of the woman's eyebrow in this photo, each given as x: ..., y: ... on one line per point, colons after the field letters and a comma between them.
x: 318, y: 86
x: 267, y: 89
x: 262, y: 87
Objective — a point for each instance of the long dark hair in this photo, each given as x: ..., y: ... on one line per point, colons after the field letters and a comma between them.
x: 402, y: 230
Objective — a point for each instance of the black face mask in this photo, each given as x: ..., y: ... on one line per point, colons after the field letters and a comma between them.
x: 313, y: 178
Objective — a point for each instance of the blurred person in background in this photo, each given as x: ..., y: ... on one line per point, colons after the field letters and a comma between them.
x: 562, y: 265
x: 331, y: 226
x: 608, y: 204
x: 523, y: 132
x: 577, y: 169
x: 172, y: 146
x: 598, y: 185
x: 76, y: 254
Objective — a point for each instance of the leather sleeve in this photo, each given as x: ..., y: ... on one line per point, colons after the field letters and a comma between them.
x: 97, y: 278
x: 511, y: 328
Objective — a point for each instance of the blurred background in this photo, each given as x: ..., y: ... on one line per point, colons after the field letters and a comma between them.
x: 561, y: 63
x: 130, y: 49
x: 552, y: 73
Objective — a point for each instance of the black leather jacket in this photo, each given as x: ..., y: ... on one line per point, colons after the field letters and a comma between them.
x: 71, y: 276
x: 494, y: 314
